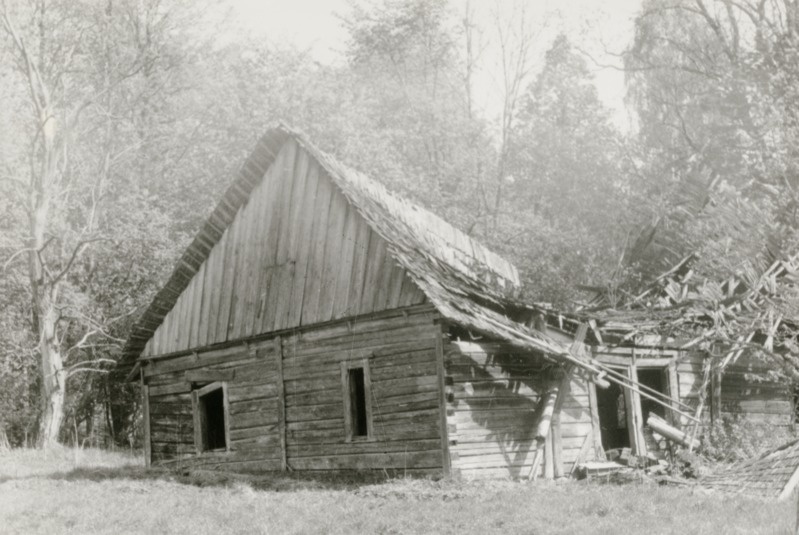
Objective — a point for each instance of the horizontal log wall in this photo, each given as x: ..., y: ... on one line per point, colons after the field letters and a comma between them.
x: 400, y: 347
x: 401, y: 355
x: 493, y: 393
x: 742, y: 394
x: 252, y: 395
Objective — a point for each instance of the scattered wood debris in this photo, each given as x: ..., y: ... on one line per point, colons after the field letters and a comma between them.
x: 774, y: 474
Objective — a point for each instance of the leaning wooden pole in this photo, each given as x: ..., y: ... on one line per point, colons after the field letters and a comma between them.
x: 548, y: 422
x: 547, y: 409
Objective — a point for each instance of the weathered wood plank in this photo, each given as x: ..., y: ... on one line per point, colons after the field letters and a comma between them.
x: 209, y: 375
x: 253, y: 289
x: 347, y: 261
x: 145, y: 408
x: 351, y: 448
x: 271, y: 278
x: 366, y: 461
x: 374, y: 268
x: 290, y: 204
x: 442, y: 403
x: 315, y: 268
x: 281, y: 403
x: 394, y: 285
x: 229, y: 281
x: 383, y: 283
x: 308, y: 173
x: 360, y: 259
x: 242, y: 251
x: 334, y: 242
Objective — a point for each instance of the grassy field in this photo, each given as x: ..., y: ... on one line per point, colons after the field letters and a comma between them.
x: 89, y: 491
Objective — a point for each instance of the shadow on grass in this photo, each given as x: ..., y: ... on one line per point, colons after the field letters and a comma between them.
x: 267, y: 481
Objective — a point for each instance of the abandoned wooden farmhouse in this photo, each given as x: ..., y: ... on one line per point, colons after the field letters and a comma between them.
x: 319, y: 322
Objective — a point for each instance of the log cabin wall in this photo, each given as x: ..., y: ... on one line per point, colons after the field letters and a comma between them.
x: 253, y: 402
x: 404, y: 432
x: 744, y: 396
x: 492, y: 399
x: 304, y: 429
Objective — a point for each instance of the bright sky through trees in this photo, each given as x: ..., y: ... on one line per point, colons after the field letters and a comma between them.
x: 600, y: 28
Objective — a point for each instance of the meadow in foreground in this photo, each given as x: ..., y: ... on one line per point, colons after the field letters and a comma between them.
x: 89, y: 491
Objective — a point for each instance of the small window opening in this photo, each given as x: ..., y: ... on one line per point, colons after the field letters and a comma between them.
x: 214, y: 409
x: 360, y: 426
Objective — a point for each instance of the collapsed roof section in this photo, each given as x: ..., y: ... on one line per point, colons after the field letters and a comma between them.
x: 681, y: 309
x: 774, y: 474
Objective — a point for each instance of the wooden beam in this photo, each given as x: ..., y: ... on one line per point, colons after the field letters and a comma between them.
x: 557, y: 446
x: 582, y: 453
x: 226, y: 409
x: 599, y: 451
x: 674, y: 394
x: 209, y: 375
x: 197, y: 420
x: 549, y: 458
x: 662, y: 428
x: 386, y: 314
x: 345, y: 395
x: 145, y: 409
x: 545, y: 409
x: 715, y: 395
x: 281, y: 403
x: 631, y: 402
x: 442, y: 403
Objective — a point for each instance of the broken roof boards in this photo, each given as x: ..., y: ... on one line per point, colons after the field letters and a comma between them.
x: 774, y: 474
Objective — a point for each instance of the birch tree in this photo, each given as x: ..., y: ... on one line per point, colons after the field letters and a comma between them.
x: 80, y: 67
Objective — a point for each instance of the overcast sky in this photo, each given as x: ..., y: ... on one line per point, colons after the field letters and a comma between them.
x: 595, y: 25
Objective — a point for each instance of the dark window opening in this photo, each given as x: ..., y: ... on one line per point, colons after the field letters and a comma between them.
x: 360, y: 425
x: 212, y: 410
x: 655, y: 379
x: 612, y: 410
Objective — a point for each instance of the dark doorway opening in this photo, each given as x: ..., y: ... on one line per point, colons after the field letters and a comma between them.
x: 213, y: 415
x: 612, y: 410
x: 656, y: 379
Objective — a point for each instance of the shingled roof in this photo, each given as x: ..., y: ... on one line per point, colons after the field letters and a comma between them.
x: 467, y: 283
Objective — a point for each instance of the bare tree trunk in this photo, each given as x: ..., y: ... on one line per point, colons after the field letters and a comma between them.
x: 54, y: 387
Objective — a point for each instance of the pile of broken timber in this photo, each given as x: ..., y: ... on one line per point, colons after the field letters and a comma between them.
x: 774, y: 474
x: 623, y: 460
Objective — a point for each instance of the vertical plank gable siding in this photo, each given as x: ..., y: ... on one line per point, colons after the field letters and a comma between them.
x: 491, y: 412
x: 401, y: 350
x: 296, y: 254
